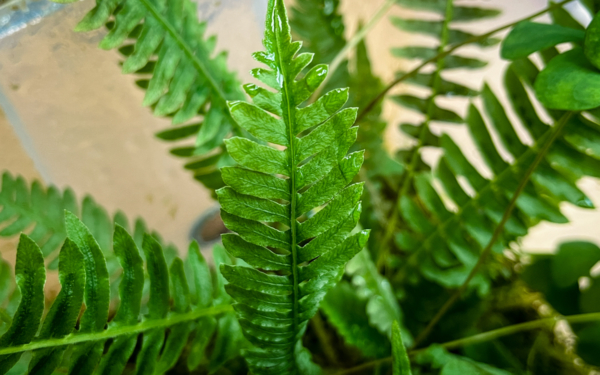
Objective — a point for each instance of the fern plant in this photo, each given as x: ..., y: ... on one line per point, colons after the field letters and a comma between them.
x: 23, y: 206
x: 164, y: 46
x: 445, y: 33
x: 92, y: 347
x: 290, y: 196
x: 307, y: 248
x: 445, y: 245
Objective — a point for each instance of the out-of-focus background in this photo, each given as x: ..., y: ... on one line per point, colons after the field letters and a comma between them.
x: 70, y: 118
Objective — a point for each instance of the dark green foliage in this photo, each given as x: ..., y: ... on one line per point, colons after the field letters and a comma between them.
x: 445, y: 244
x: 176, y: 310
x: 557, y: 277
x: 30, y: 275
x: 311, y: 245
x: 529, y: 37
x: 415, y: 212
x: 452, y: 241
x: 321, y: 28
x: 450, y: 364
x: 570, y: 80
x: 347, y: 312
x: 382, y: 306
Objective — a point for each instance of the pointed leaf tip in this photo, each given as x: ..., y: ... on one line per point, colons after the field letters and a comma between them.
x: 400, y: 361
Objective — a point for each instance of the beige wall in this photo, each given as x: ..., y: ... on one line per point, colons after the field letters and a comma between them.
x: 80, y: 122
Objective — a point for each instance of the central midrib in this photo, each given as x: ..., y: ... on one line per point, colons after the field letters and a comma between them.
x: 292, y: 153
x: 490, y: 184
x: 143, y: 326
x: 188, y: 51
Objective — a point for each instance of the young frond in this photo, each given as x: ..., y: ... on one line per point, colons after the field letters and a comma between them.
x: 179, y: 307
x: 293, y: 207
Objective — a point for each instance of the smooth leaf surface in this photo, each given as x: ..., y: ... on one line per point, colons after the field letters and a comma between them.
x: 529, y: 37
x: 400, y: 361
x: 30, y: 275
x: 569, y: 82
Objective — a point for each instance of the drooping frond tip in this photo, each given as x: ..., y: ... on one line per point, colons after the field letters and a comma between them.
x: 293, y: 210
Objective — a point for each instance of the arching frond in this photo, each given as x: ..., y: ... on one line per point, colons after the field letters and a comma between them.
x: 320, y: 26
x: 165, y: 47
x: 444, y: 245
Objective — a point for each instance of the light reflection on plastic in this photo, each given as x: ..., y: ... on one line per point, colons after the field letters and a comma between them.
x: 30, y: 14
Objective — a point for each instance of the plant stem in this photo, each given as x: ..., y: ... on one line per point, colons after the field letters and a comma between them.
x: 505, y: 331
x: 353, y: 42
x: 498, y: 231
x: 409, y: 173
x: 447, y: 52
x: 118, y: 331
x: 288, y: 117
x: 486, y: 336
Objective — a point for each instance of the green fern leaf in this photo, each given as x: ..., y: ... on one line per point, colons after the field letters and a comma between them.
x: 444, y: 245
x: 31, y: 275
x: 320, y: 26
x: 446, y: 33
x: 96, y: 348
x: 315, y: 210
x: 164, y: 46
x: 23, y: 207
x: 382, y: 306
x: 446, y: 256
x: 326, y: 40
x: 347, y: 312
x: 400, y: 361
x: 6, y: 288
x: 65, y: 309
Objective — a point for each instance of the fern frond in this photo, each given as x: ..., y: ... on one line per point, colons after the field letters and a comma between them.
x: 445, y: 34
x: 438, y: 357
x: 445, y: 245
x: 84, y: 277
x: 382, y: 306
x: 320, y: 26
x: 347, y: 312
x: 292, y: 209
x: 40, y: 212
x: 165, y: 47
x: 400, y: 360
